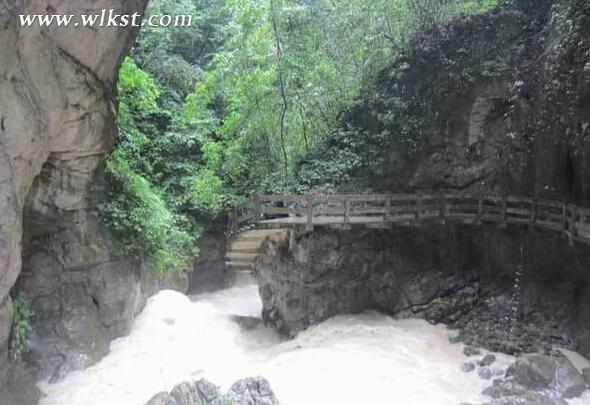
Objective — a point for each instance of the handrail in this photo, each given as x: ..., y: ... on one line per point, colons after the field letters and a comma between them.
x: 569, y: 219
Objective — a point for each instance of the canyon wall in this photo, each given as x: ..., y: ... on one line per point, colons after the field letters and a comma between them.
x: 57, y: 122
x: 499, y: 102
x: 462, y: 275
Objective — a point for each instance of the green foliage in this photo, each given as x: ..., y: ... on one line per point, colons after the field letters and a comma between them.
x: 160, y: 180
x: 20, y: 327
x: 249, y: 100
x: 140, y: 216
x: 286, y: 71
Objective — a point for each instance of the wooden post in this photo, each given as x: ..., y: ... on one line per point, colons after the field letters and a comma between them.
x: 573, y: 227
x: 234, y: 215
x: 419, y: 206
x: 309, y: 213
x: 347, y: 209
x: 534, y: 205
x: 388, y: 208
x: 564, y: 217
x: 257, y: 208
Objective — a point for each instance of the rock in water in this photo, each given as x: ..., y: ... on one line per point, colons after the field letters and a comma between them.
x: 488, y: 360
x: 541, y: 372
x: 471, y: 351
x: 251, y: 391
x: 200, y: 392
x: 485, y: 373
x: 468, y: 366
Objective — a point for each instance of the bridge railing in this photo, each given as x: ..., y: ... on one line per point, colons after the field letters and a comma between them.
x: 310, y: 210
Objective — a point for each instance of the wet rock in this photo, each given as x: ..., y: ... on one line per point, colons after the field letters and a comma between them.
x: 247, y: 322
x: 487, y: 360
x: 471, y: 351
x: 486, y: 373
x: 504, y: 388
x: 200, y: 392
x: 468, y: 366
x: 250, y: 391
x: 541, y: 372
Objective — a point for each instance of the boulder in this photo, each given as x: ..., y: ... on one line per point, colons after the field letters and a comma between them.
x: 249, y: 391
x: 486, y: 373
x: 488, y: 360
x: 200, y: 392
x: 541, y: 372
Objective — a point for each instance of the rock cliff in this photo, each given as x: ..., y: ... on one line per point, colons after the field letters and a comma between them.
x: 460, y: 275
x: 498, y: 101
x: 57, y: 121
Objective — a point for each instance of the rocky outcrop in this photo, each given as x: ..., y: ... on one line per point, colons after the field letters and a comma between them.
x: 57, y: 121
x: 499, y: 102
x: 249, y: 391
x: 460, y: 275
x: 537, y: 379
x: 538, y: 372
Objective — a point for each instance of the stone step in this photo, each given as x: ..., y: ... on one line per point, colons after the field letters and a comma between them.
x: 245, y: 246
x: 241, y: 257
x: 240, y: 266
x: 256, y: 234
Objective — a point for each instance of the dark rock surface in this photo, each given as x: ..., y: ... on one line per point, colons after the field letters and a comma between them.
x: 57, y: 122
x: 496, y: 102
x: 249, y: 391
x: 487, y: 360
x: 537, y: 379
x: 540, y: 372
x: 460, y: 275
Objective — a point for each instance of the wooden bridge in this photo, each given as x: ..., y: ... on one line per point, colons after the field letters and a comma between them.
x: 271, y: 212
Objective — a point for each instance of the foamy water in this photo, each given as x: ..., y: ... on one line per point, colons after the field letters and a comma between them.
x: 363, y: 359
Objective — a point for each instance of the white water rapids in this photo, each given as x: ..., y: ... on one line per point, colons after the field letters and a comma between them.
x: 363, y: 359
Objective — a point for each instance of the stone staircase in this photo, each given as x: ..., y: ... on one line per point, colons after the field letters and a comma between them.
x: 245, y: 248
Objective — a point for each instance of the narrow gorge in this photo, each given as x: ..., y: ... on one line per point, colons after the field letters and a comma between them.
x: 124, y: 152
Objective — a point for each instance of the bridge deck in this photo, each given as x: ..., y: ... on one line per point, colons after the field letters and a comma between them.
x: 269, y: 213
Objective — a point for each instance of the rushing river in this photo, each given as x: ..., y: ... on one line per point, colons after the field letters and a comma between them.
x: 364, y: 359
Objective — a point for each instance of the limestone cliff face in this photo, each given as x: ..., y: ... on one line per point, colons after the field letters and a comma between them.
x: 57, y: 121
x: 499, y: 102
